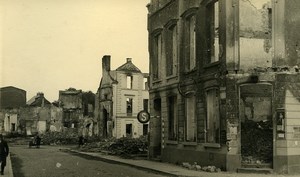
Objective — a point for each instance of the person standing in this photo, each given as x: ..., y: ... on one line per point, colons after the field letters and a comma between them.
x: 4, y: 150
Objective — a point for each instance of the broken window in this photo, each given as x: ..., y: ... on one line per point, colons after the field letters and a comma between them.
x: 145, y: 83
x: 145, y: 104
x: 172, y: 117
x: 128, y: 130
x: 129, y: 80
x: 129, y: 106
x: 171, y: 50
x: 213, y: 39
x: 213, y: 116
x: 157, y: 51
x: 255, y: 33
x: 145, y: 129
x: 190, y: 46
x: 190, y: 118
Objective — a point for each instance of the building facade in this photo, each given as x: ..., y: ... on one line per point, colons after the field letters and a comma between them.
x: 12, y: 97
x: 122, y: 94
x: 225, y: 83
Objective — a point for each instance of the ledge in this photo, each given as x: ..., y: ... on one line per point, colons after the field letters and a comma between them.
x: 211, y: 145
x: 189, y: 143
x: 171, y: 142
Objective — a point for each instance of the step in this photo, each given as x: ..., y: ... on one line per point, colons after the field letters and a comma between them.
x: 255, y: 170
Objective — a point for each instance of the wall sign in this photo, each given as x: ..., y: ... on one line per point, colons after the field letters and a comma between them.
x: 143, y: 117
x: 280, y: 123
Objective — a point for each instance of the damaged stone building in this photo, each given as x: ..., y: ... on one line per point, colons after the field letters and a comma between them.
x: 225, y: 83
x: 78, y: 111
x: 122, y: 94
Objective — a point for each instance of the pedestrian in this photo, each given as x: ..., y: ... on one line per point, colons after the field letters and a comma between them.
x: 4, y: 150
x: 38, y: 141
x: 80, y: 141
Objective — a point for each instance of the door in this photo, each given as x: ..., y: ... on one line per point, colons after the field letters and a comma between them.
x: 256, y: 125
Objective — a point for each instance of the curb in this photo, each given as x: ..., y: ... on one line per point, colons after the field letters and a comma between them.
x: 9, y: 166
x: 124, y: 163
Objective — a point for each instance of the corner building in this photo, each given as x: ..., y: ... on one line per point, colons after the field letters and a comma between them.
x: 225, y: 83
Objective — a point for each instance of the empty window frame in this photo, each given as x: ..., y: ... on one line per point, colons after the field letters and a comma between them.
x: 145, y: 83
x: 128, y: 130
x: 190, y: 108
x: 145, y: 129
x: 213, y: 32
x: 129, y: 80
x: 172, y: 118
x: 190, y: 40
x: 157, y: 56
x: 213, y: 116
x: 171, y: 50
x: 145, y: 104
x: 129, y: 106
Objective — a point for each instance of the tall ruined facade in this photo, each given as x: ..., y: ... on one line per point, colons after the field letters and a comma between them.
x: 225, y: 83
x: 122, y: 94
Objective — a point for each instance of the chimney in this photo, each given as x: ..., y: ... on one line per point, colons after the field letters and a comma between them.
x: 128, y: 60
x: 106, y: 63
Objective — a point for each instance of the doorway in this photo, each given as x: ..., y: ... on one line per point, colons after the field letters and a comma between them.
x: 256, y: 125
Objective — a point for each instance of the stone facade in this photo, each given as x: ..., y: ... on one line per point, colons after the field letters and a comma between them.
x: 121, y: 95
x: 219, y: 72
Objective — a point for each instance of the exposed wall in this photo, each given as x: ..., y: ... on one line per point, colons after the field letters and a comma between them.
x: 11, y: 97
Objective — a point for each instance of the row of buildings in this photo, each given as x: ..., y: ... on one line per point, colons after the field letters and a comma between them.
x: 223, y: 87
x: 225, y: 83
x: 111, y: 112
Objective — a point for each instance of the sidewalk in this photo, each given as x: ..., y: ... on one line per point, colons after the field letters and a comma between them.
x: 8, y: 169
x: 166, y: 168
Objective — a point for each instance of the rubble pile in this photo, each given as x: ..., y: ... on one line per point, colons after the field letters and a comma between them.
x: 59, y: 138
x: 124, y: 147
x: 197, y: 167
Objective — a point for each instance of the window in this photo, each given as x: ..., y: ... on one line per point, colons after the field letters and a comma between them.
x: 145, y: 85
x: 13, y: 127
x: 190, y: 118
x: 213, y: 40
x: 157, y: 51
x: 128, y: 130
x: 129, y: 106
x: 129, y: 80
x: 172, y: 118
x: 145, y: 129
x: 145, y: 104
x: 213, y: 116
x: 171, y: 50
x: 190, y: 47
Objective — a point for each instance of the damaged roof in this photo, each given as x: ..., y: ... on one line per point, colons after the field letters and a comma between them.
x: 129, y: 67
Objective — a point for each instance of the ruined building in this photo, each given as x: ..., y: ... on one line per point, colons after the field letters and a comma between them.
x: 225, y: 83
x: 121, y: 95
x: 11, y: 100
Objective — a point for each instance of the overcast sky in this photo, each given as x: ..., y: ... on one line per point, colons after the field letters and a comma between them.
x: 51, y: 45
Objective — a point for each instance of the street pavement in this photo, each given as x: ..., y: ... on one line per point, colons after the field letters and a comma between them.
x: 165, y: 169
x: 170, y: 169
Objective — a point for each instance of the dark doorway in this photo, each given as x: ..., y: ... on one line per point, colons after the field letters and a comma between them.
x: 256, y: 125
x: 105, y: 118
x: 156, y: 130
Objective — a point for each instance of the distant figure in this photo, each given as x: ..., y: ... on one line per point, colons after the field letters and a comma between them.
x: 4, y: 150
x: 80, y: 141
x: 38, y: 141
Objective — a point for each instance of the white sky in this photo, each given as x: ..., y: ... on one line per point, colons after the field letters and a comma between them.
x: 51, y: 45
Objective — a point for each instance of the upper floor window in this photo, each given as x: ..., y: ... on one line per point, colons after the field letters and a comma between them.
x: 190, y: 43
x: 213, y: 116
x: 129, y: 106
x: 157, y: 56
x: 129, y: 80
x: 213, y: 35
x: 145, y: 83
x: 171, y: 50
